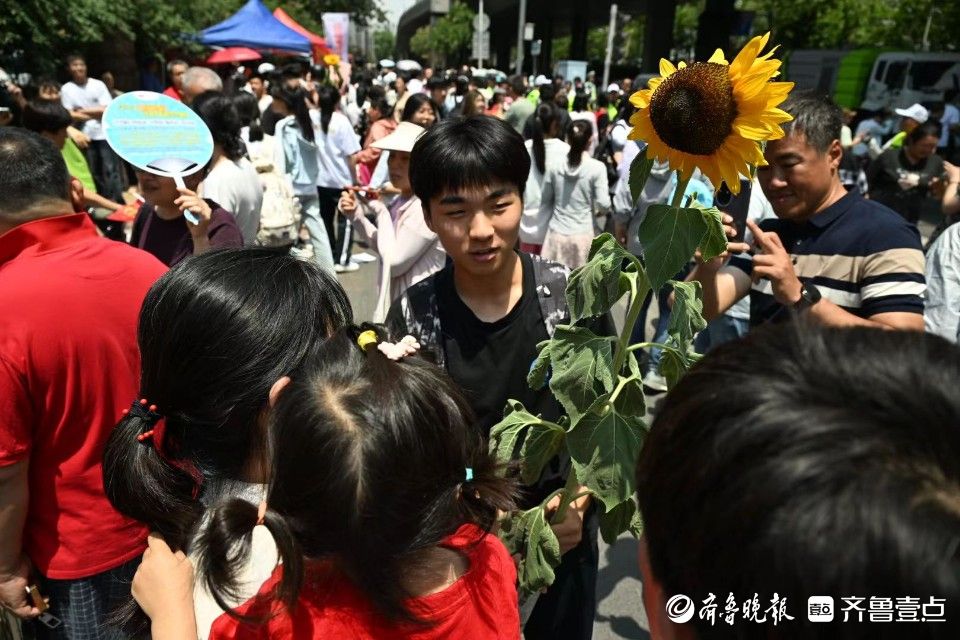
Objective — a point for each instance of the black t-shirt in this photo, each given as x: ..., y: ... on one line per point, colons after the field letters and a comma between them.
x: 889, y: 168
x: 490, y: 361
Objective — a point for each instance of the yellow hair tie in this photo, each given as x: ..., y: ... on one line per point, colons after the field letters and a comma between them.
x: 367, y: 338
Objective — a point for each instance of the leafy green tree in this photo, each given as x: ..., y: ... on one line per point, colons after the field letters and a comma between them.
x: 40, y: 33
x: 384, y: 43
x: 834, y: 24
x: 446, y: 41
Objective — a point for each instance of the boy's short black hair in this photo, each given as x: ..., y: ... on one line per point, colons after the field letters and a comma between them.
x: 45, y: 116
x: 462, y: 153
x: 806, y: 461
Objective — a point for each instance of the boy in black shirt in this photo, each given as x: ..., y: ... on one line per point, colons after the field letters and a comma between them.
x: 482, y: 316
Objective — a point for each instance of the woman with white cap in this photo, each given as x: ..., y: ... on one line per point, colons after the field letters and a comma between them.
x: 409, y: 250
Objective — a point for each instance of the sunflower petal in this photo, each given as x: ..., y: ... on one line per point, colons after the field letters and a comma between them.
x: 751, y: 129
x: 654, y: 82
x: 641, y: 99
x: 666, y: 68
x: 747, y: 55
x: 718, y: 57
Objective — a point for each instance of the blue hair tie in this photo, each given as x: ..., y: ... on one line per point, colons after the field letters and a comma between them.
x: 469, y: 471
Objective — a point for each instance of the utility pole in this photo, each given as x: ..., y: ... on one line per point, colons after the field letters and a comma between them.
x: 521, y: 25
x: 610, y: 33
x: 480, y: 57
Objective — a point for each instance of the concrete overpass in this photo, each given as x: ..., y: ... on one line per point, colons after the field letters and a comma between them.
x: 556, y: 18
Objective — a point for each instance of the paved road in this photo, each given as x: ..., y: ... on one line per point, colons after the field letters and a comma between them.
x: 620, y: 612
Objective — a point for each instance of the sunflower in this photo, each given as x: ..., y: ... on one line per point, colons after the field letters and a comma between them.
x: 331, y: 59
x: 713, y: 115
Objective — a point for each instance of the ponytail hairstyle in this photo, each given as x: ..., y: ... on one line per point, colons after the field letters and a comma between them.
x: 248, y: 109
x: 578, y: 137
x: 545, y: 119
x: 215, y: 333
x: 328, y: 98
x: 296, y: 100
x: 374, y: 462
x: 220, y: 115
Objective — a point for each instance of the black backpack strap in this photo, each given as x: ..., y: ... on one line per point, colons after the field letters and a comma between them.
x: 418, y: 305
x: 551, y: 282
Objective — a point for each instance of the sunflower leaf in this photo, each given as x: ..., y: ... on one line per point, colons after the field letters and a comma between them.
x: 603, y: 443
x: 623, y: 517
x: 639, y: 172
x: 686, y: 317
x: 582, y: 365
x: 675, y: 360
x: 541, y: 552
x: 714, y: 240
x: 596, y: 286
x: 669, y: 237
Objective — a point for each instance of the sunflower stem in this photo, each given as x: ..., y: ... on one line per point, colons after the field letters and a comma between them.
x: 681, y: 188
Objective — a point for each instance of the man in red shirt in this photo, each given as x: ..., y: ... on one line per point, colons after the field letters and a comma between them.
x: 175, y: 71
x: 69, y: 365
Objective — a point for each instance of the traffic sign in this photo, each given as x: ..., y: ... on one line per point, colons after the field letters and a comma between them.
x: 481, y: 45
x: 481, y: 22
x: 535, y: 47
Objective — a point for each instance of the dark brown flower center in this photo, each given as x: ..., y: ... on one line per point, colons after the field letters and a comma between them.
x: 693, y: 110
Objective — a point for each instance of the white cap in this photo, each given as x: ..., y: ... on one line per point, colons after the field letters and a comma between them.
x: 402, y: 138
x: 266, y: 67
x: 541, y: 80
x: 389, y: 77
x: 387, y: 63
x: 613, y: 87
x: 915, y: 111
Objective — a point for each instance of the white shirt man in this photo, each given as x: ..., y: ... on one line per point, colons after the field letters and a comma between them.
x: 86, y: 99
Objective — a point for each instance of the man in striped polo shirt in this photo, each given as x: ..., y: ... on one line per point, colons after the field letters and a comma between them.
x: 831, y: 255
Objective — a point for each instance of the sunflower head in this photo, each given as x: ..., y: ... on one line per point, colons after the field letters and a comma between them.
x: 713, y: 115
x: 331, y: 59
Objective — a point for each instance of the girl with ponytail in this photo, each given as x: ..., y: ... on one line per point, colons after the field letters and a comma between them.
x: 573, y: 195
x: 546, y: 149
x: 215, y: 335
x: 381, y: 499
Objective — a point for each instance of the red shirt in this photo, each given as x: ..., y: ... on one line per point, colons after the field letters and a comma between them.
x: 69, y: 364
x: 481, y: 605
x: 173, y: 93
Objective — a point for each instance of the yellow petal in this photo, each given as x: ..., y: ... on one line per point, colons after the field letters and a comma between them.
x: 666, y: 68
x: 750, y: 129
x: 654, y: 82
x: 718, y: 57
x: 641, y: 99
x: 681, y: 65
x: 747, y: 55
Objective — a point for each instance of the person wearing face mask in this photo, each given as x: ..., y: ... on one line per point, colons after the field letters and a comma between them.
x: 409, y: 251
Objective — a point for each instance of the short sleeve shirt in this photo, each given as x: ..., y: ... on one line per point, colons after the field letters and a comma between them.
x: 859, y: 254
x: 333, y: 148
x: 481, y: 604
x: 91, y: 95
x: 69, y: 365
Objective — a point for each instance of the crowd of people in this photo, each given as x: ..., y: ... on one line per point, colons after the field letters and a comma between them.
x: 198, y: 439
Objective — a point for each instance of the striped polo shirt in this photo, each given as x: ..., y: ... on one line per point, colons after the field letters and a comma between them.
x: 861, y: 255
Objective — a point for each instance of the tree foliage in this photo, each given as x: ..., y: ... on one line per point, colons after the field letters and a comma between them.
x: 40, y: 33
x: 445, y: 41
x: 841, y: 24
x: 384, y: 43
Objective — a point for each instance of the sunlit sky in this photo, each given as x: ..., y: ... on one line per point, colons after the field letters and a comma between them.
x: 395, y: 9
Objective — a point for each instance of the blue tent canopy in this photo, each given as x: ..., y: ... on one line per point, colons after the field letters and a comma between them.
x: 254, y: 26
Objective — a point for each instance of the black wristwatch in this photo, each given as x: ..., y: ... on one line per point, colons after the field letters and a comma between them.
x: 809, y: 296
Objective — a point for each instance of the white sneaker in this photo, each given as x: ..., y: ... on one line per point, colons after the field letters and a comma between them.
x: 363, y: 258
x: 655, y: 382
x: 346, y: 268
